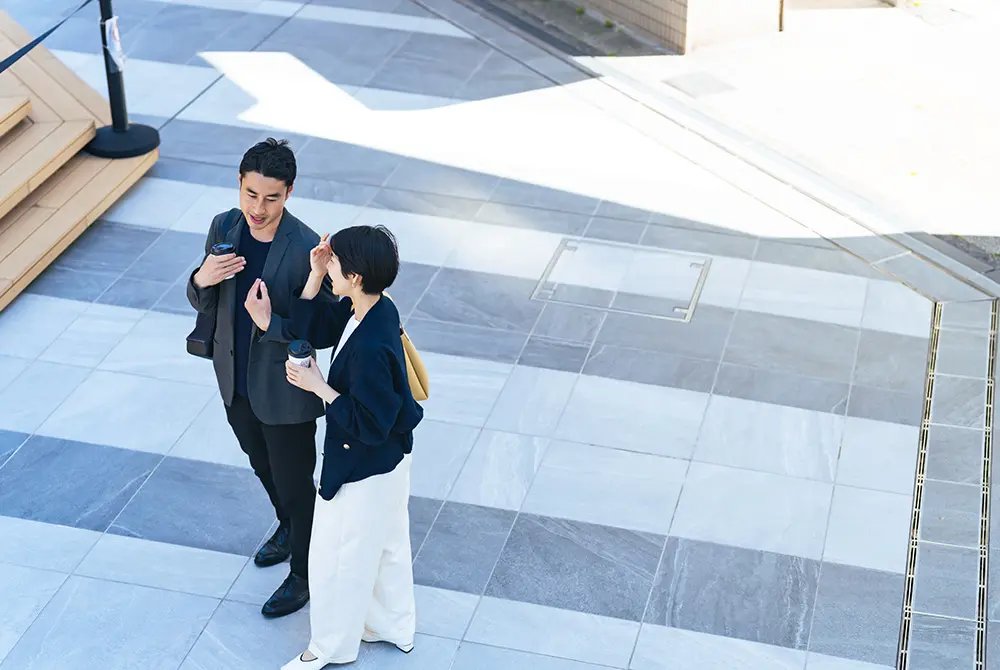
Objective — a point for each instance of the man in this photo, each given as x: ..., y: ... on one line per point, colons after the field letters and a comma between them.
x: 251, y: 292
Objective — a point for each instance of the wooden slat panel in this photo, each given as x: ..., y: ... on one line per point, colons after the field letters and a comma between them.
x: 22, y: 144
x: 14, y: 233
x: 11, y: 136
x: 39, y: 82
x: 13, y: 110
x: 67, y: 182
x: 86, y: 95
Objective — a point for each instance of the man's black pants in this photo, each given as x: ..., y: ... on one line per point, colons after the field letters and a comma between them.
x: 284, y: 459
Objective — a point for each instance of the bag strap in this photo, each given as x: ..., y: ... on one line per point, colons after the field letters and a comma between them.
x: 227, y: 223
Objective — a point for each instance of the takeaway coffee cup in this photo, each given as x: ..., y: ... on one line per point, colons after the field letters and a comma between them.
x: 221, y: 249
x: 300, y: 353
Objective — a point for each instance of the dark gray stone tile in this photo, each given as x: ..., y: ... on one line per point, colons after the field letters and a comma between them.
x: 993, y: 646
x: 532, y: 218
x: 9, y: 442
x: 108, y: 248
x: 512, y: 192
x: 615, y: 230
x: 781, y: 388
x: 541, y: 352
x: 797, y: 346
x: 480, y: 299
x: 742, y: 593
x: 171, y: 257
x: 410, y: 285
x: 699, y: 241
x: 928, y: 279
x: 882, y: 405
x: 207, y: 143
x: 890, y: 361
x: 333, y: 191
x: 651, y: 367
x: 201, y: 505
x: 857, y: 614
x: 60, y: 282
x: 426, y: 177
x: 195, y: 172
x: 941, y: 644
x: 423, y: 512
x: 827, y: 258
x: 958, y: 401
x: 426, y: 203
x: 703, y: 337
x: 462, y: 547
x: 569, y: 323
x: 175, y: 301
x: 134, y: 293
x: 993, y: 584
x: 967, y: 315
x: 950, y: 513
x: 955, y: 454
x: 614, y: 210
x: 430, y: 65
x: 947, y: 580
x: 501, y: 75
x: 963, y: 353
x: 455, y: 339
x: 71, y: 483
x: 570, y: 565
x: 671, y: 221
x: 351, y: 163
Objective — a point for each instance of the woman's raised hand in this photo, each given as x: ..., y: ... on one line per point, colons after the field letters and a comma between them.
x: 320, y: 256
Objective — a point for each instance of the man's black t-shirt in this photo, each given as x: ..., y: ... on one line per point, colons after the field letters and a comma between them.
x: 255, y: 254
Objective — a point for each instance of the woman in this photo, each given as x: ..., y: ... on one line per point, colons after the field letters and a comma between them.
x: 360, y: 572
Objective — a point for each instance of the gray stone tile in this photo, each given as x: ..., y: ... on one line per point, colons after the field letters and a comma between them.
x: 473, y: 656
x: 703, y: 337
x: 498, y: 76
x: 175, y: 301
x: 171, y: 257
x: 973, y: 316
x: 200, y: 505
x: 615, y: 230
x: 195, y: 172
x: 543, y: 352
x: 343, y: 162
x: 615, y: 210
x: 739, y: 593
x: 992, y: 646
x: 963, y: 353
x: 569, y: 323
x: 882, y: 405
x: 513, y: 192
x: 946, y: 580
x: 649, y: 305
x: 650, y: 367
x: 71, y: 483
x: 828, y: 258
x: 533, y: 218
x: 9, y: 442
x: 411, y: 282
x: 955, y: 454
x: 796, y: 346
x: 329, y: 190
x: 958, y: 401
x: 941, y: 644
x: 950, y: 513
x: 426, y: 177
x: 699, y: 241
x: 929, y: 279
x: 857, y: 614
x: 432, y: 204
x: 105, y: 622
x: 878, y: 455
x: 480, y: 299
x: 429, y: 65
x: 781, y: 388
x: 568, y: 564
x: 892, y: 362
x: 207, y: 142
x: 462, y: 547
x: 491, y: 344
x: 423, y: 512
x: 663, y: 648
x: 26, y: 592
x: 108, y: 248
x: 582, y: 296
x: 134, y: 293
x: 60, y: 282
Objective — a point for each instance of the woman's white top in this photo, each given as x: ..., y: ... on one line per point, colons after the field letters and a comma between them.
x: 352, y: 325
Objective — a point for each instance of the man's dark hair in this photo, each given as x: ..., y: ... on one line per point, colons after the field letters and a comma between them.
x: 369, y: 252
x: 271, y: 158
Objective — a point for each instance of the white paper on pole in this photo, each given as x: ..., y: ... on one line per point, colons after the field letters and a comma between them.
x: 114, y: 41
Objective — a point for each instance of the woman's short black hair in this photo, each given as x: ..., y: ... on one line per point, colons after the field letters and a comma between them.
x: 369, y: 252
x: 271, y: 158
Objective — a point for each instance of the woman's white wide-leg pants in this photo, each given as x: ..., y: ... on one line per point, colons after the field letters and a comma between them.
x: 360, y: 569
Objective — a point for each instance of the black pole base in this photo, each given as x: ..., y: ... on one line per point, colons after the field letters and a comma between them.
x: 136, y: 141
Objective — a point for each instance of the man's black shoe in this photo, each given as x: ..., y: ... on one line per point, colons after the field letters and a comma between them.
x: 291, y: 596
x: 275, y: 550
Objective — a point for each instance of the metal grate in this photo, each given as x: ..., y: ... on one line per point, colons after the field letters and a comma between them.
x: 984, y: 512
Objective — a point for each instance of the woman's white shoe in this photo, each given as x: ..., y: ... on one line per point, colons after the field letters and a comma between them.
x: 298, y: 663
x: 369, y: 636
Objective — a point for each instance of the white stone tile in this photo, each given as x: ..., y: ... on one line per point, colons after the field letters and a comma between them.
x: 638, y: 417
x: 164, y: 566
x: 754, y: 510
x: 25, y: 592
x: 381, y: 100
x: 894, y: 308
x: 822, y: 662
x: 31, y: 398
x: 504, y: 250
x: 553, y: 632
x: 31, y: 323
x: 429, y: 240
x: 724, y: 284
x: 322, y: 216
x: 224, y: 103
x: 211, y: 200
x: 440, y: 450
x: 771, y: 438
x: 266, y: 7
x: 878, y: 455
x: 869, y: 529
x: 532, y: 401
x: 126, y: 411
x: 462, y: 390
x: 210, y: 438
x: 442, y: 612
x: 10, y: 369
x: 663, y: 648
x: 576, y: 265
x: 662, y: 275
x: 89, y: 339
x: 155, y: 347
x: 607, y: 486
x: 473, y: 656
x: 804, y: 293
x: 499, y: 470
x: 386, y: 20
x: 155, y: 202
x: 255, y: 585
x: 45, y: 546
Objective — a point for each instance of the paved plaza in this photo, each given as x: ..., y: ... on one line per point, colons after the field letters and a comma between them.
x: 670, y: 426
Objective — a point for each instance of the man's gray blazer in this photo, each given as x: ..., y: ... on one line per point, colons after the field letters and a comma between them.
x: 273, y: 399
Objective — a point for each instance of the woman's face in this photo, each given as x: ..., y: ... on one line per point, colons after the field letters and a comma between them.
x: 341, y: 284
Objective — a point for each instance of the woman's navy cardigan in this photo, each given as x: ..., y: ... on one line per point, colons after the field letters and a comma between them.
x: 369, y: 427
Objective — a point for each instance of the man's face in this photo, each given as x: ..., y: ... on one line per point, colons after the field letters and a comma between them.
x: 262, y: 199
